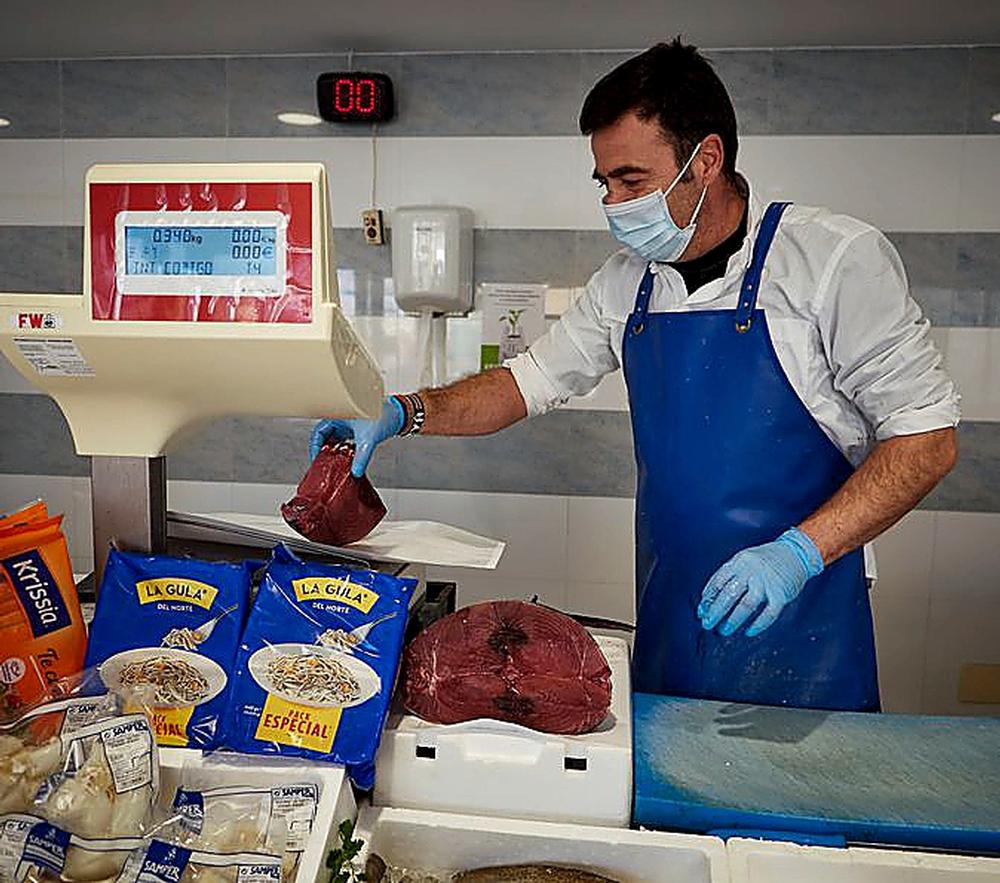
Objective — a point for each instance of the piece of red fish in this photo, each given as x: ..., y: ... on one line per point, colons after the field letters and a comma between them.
x: 330, y: 505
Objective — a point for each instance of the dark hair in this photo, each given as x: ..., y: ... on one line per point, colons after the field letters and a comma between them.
x: 675, y: 85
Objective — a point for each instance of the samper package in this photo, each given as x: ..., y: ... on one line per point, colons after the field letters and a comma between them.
x: 166, y: 632
x: 44, y: 637
x: 74, y: 773
x: 240, y: 818
x: 317, y: 662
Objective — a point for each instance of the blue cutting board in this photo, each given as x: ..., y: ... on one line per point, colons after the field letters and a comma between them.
x: 931, y: 782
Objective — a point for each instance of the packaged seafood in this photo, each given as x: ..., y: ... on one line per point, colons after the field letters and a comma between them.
x: 317, y: 662
x: 184, y: 620
x: 77, y: 768
x: 330, y: 505
x: 512, y: 661
x: 33, y: 851
x: 240, y: 818
x: 160, y: 861
x: 44, y: 636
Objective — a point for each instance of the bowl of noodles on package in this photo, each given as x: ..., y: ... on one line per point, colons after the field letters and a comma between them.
x: 317, y: 663
x: 165, y: 634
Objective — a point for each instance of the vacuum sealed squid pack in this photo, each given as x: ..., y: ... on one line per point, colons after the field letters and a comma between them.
x: 166, y: 631
x: 316, y: 665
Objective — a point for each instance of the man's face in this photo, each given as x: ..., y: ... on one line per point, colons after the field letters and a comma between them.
x: 632, y: 158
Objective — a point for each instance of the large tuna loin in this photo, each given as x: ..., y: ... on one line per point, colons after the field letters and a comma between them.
x: 511, y: 661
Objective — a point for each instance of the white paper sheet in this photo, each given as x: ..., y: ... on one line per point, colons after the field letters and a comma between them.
x: 417, y: 542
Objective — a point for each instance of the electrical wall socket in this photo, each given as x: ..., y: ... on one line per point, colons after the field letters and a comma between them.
x: 371, y: 225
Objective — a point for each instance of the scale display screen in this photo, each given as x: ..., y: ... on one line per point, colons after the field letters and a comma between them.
x: 218, y: 253
x: 199, y: 251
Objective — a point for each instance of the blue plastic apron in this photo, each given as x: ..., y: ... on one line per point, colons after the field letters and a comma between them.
x: 729, y: 457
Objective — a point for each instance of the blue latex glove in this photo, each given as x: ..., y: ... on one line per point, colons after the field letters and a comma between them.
x: 366, y: 434
x: 772, y: 574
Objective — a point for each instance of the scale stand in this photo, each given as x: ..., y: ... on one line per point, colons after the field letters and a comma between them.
x: 129, y: 504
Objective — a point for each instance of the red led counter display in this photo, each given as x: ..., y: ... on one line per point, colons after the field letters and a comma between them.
x: 354, y: 97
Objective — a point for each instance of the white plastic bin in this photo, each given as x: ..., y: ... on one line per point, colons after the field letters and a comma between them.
x: 445, y: 842
x: 762, y: 861
x: 493, y: 768
x: 336, y: 800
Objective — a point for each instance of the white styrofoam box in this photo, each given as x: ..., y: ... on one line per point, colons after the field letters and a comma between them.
x: 336, y: 800
x: 763, y: 861
x: 445, y: 842
x: 494, y: 768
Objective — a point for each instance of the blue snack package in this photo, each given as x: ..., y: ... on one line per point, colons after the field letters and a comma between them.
x: 317, y: 663
x: 165, y: 635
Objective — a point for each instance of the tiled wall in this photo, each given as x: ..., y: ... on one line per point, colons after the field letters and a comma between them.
x: 902, y: 138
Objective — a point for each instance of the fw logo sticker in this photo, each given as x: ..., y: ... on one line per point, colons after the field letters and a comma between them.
x: 36, y: 321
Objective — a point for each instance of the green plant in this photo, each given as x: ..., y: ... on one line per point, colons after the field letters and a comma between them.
x: 340, y: 861
x: 513, y: 319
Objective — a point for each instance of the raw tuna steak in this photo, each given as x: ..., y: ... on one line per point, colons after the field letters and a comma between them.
x: 330, y: 505
x: 511, y: 661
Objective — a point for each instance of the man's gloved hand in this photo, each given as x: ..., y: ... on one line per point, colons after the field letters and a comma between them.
x: 771, y: 574
x: 367, y: 434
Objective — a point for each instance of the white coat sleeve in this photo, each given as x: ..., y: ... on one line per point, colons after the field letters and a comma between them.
x: 878, y: 344
x: 571, y: 358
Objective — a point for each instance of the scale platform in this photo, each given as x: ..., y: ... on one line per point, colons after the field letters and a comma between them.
x: 817, y: 776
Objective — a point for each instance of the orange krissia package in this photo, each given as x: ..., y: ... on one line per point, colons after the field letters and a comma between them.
x: 44, y: 637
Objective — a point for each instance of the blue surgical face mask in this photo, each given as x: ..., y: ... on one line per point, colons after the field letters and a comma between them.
x: 646, y: 226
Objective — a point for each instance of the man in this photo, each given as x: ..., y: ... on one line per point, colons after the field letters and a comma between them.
x: 787, y: 404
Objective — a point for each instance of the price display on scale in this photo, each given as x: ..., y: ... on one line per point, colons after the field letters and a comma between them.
x: 217, y: 253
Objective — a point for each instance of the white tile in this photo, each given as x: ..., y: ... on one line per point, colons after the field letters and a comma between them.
x: 348, y: 166
x: 500, y: 179
x: 972, y: 358
x: 534, y: 527
x: 31, y: 182
x: 82, y: 153
x: 199, y: 496
x: 474, y: 588
x: 55, y: 490
x: 904, y: 554
x: 966, y: 565
x: 901, y: 644
x: 11, y: 380
x: 979, y: 208
x: 608, y: 600
x: 896, y: 182
x: 601, y: 540
x: 64, y: 495
x: 260, y: 499
x: 958, y: 633
x: 380, y: 335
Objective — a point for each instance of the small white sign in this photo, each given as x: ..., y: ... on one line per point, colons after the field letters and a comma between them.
x: 36, y: 320
x: 54, y: 356
x: 513, y: 319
